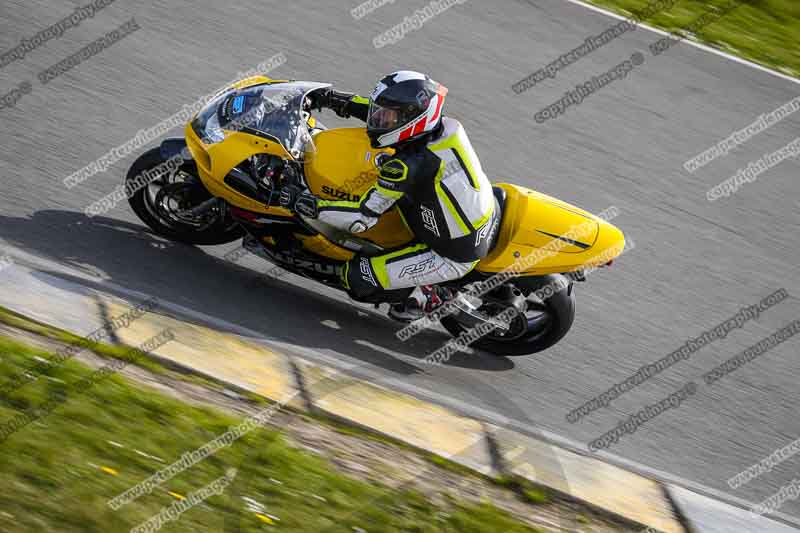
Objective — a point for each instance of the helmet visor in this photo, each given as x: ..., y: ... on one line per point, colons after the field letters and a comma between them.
x: 388, y: 118
x: 382, y: 118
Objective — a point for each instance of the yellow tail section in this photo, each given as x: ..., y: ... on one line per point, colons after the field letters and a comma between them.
x: 543, y: 235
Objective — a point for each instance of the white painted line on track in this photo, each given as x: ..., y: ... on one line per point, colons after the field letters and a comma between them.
x: 691, y: 42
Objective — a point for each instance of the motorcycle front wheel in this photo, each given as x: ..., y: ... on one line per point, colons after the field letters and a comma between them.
x: 163, y: 199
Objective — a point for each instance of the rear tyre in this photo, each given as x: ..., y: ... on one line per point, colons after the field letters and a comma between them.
x: 161, y: 203
x: 546, y: 320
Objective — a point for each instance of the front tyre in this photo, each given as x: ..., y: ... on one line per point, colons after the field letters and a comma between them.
x: 162, y: 196
x: 550, y: 312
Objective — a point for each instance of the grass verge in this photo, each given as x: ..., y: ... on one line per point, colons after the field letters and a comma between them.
x: 58, y: 472
x: 110, y: 351
x: 764, y: 31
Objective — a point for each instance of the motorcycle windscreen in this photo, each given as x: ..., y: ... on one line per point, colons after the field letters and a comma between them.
x: 274, y: 111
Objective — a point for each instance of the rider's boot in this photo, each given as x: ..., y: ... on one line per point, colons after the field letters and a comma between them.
x: 421, y: 301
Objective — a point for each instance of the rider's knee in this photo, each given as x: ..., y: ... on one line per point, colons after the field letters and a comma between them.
x: 364, y: 285
x: 458, y: 270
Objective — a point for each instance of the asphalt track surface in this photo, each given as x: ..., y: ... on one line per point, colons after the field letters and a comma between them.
x: 694, y: 265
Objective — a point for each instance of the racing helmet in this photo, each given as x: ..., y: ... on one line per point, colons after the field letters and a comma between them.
x: 404, y: 106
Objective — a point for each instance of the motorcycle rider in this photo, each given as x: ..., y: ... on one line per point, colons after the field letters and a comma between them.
x: 434, y: 178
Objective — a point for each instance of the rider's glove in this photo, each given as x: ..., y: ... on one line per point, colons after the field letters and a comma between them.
x: 300, y: 201
x: 358, y: 226
x: 335, y: 100
x: 318, y: 99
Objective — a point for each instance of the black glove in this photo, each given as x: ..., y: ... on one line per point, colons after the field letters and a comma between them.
x: 300, y: 201
x: 335, y: 100
x: 319, y: 99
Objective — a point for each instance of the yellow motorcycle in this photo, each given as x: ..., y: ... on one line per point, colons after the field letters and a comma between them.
x: 258, y: 135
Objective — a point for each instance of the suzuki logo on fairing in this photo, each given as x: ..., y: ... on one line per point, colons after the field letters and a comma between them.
x: 417, y: 269
x: 304, y: 264
x: 340, y: 195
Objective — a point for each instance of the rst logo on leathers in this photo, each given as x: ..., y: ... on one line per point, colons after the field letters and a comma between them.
x: 429, y: 220
x: 487, y: 231
x: 417, y: 269
x: 366, y: 271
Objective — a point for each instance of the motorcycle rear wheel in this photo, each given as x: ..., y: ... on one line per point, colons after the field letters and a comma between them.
x: 158, y: 204
x: 553, y: 319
